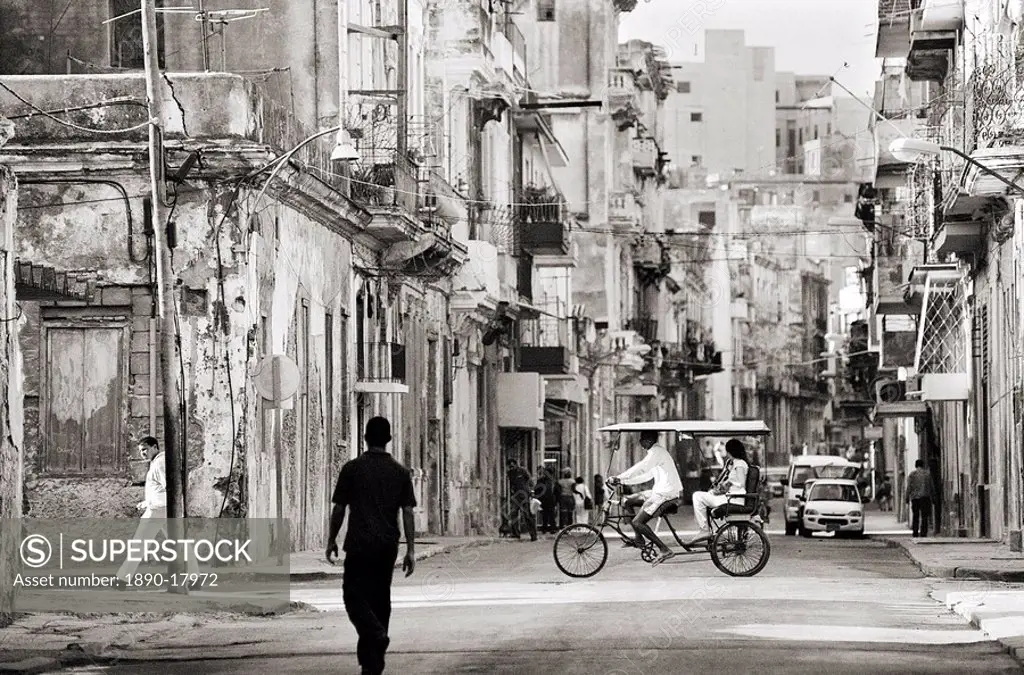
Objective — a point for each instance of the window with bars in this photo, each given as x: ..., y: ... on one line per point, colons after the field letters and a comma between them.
x: 941, y: 343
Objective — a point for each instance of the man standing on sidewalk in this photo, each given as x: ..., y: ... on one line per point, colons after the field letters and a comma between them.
x: 920, y: 491
x: 520, y: 492
x: 374, y: 487
x: 154, y: 513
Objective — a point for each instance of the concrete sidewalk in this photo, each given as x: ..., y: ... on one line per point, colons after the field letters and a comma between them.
x: 999, y: 612
x: 313, y: 565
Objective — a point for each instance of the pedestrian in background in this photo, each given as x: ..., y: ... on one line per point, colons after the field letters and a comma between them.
x: 545, y: 491
x: 520, y: 493
x: 584, y: 502
x: 566, y: 499
x: 374, y: 487
x: 154, y: 514
x: 885, y: 495
x: 599, y: 497
x: 920, y: 492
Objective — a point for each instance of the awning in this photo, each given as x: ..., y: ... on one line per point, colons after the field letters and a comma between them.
x: 900, y: 409
x: 638, y: 390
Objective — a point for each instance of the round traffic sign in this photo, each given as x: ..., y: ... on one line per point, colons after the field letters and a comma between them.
x: 277, y: 377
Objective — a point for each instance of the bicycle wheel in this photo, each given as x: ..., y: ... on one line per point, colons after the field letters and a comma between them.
x: 580, y: 551
x: 740, y: 549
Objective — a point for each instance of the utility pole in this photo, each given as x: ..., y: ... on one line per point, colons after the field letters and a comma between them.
x: 164, y: 276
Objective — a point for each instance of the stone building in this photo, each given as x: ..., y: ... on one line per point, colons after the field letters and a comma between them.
x: 346, y: 273
x: 955, y: 397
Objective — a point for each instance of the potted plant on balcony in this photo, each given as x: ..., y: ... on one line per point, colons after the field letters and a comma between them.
x: 374, y: 184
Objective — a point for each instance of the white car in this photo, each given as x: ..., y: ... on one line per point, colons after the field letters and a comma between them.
x: 832, y: 505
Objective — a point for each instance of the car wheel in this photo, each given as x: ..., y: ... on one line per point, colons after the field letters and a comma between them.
x: 790, y: 529
x: 804, y: 532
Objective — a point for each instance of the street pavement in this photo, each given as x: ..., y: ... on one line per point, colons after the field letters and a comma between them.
x: 820, y: 605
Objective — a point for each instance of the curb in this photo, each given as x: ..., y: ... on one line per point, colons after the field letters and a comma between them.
x: 967, y: 573
x: 1013, y: 645
x: 36, y: 664
x: 338, y: 571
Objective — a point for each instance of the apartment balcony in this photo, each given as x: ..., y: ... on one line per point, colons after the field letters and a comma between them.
x: 624, y: 212
x: 380, y: 368
x: 696, y: 357
x: 651, y: 260
x: 544, y: 346
x: 388, y: 187
x: 893, y: 38
x: 645, y: 327
x: 624, y: 101
x: 544, y: 223
x: 518, y: 43
x: 645, y: 157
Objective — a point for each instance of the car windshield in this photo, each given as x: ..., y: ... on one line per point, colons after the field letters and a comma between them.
x: 833, y: 493
x: 802, y: 474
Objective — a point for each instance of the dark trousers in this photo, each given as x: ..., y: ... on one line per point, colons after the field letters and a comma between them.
x: 566, y: 510
x: 547, y: 515
x: 520, y: 514
x: 366, y: 588
x: 920, y: 509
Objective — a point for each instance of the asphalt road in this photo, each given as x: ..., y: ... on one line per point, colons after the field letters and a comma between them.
x: 820, y: 606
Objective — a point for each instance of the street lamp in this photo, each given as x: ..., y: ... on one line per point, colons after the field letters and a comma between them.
x: 913, y: 150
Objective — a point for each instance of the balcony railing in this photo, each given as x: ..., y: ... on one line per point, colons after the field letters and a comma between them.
x: 386, y: 185
x: 381, y: 362
x: 645, y: 327
x: 645, y: 156
x: 543, y: 222
x: 545, y: 346
x: 623, y: 210
x: 518, y: 42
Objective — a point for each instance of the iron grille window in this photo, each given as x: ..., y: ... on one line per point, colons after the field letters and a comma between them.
x: 683, y: 87
x: 696, y: 117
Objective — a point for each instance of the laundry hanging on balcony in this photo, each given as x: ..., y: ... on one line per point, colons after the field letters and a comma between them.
x: 942, y: 355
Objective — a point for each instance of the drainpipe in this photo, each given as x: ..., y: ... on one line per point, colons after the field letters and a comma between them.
x: 153, y: 369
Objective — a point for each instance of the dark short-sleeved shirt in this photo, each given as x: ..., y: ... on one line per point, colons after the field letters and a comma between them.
x: 919, y: 484
x: 374, y: 487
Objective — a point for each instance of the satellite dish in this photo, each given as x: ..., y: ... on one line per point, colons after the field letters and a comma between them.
x: 277, y: 378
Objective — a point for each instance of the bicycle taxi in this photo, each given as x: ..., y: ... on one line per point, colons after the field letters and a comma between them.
x: 738, y: 545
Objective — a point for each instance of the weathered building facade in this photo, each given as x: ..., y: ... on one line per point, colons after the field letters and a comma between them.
x: 962, y: 301
x: 343, y: 268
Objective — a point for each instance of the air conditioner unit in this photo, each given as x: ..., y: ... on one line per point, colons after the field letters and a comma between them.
x: 890, y: 391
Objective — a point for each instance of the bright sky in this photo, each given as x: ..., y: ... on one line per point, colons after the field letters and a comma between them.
x: 810, y: 37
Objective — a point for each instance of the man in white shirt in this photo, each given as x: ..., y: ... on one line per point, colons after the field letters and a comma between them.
x: 153, y: 507
x: 659, y: 465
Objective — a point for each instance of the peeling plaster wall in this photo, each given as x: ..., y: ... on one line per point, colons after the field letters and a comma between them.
x: 293, y: 261
x: 286, y: 259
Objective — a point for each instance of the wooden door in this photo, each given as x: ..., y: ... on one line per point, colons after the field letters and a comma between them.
x: 83, y: 393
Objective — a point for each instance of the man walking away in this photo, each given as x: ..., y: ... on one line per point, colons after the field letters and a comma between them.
x: 520, y: 493
x: 154, y: 513
x: 920, y: 491
x: 374, y: 487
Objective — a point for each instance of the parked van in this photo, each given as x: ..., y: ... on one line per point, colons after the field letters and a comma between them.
x: 811, y: 467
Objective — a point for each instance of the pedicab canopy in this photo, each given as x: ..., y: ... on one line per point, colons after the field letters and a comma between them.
x: 695, y: 427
